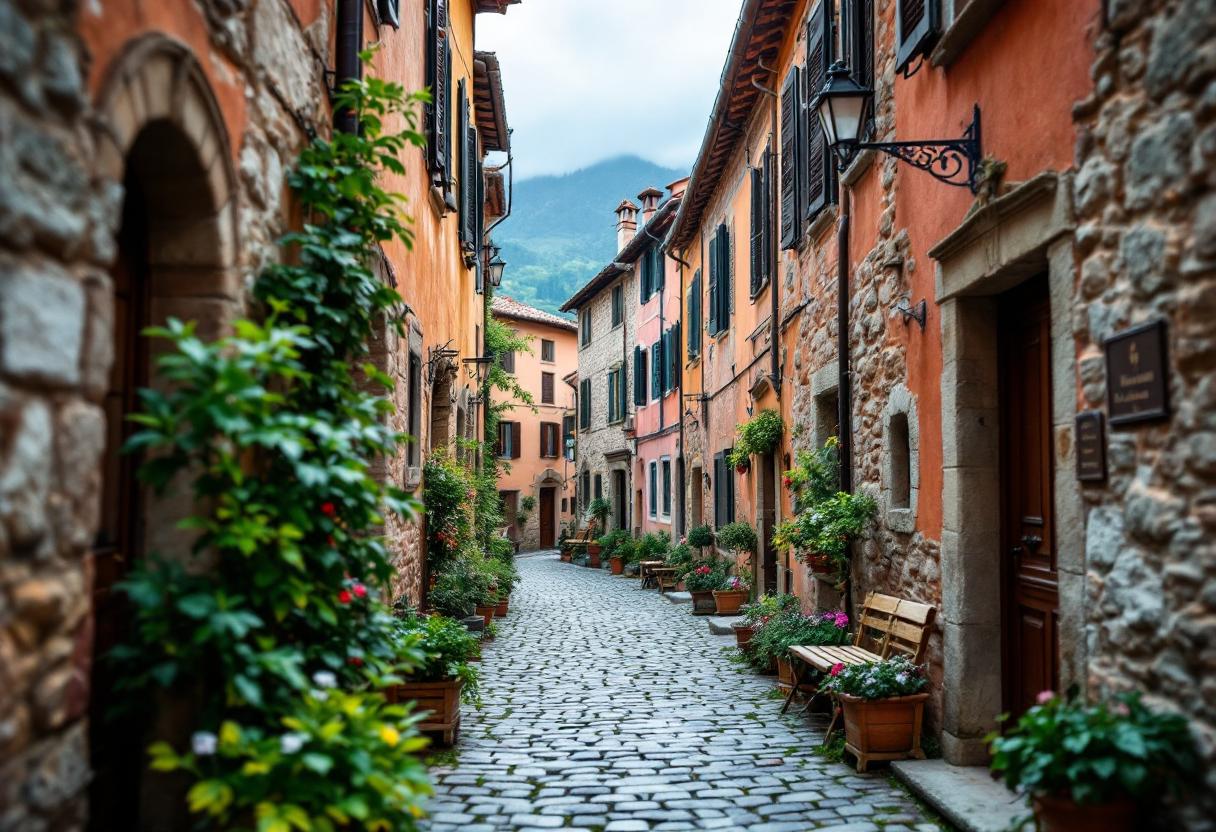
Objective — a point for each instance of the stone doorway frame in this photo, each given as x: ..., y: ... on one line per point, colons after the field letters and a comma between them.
x: 1025, y: 232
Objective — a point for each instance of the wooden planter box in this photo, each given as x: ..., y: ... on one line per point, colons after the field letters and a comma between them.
x: 883, y: 729
x: 728, y: 601
x: 703, y: 603
x: 442, y: 699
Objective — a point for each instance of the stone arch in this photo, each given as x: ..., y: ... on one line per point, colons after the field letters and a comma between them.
x: 160, y: 141
x: 901, y: 460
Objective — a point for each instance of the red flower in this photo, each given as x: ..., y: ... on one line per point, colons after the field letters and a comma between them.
x: 360, y: 590
x: 344, y: 597
x: 836, y: 668
x: 788, y: 482
x: 327, y: 509
x: 331, y: 541
x: 356, y: 661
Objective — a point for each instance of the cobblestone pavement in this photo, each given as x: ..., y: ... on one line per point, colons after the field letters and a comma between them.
x: 608, y: 708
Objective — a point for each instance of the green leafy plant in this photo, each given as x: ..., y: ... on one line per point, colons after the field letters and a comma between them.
x: 815, y: 476
x: 699, y: 537
x: 766, y: 606
x: 447, y: 647
x: 777, y: 631
x: 826, y: 528
x: 706, y: 577
x: 610, y: 542
x: 627, y: 551
x: 274, y: 426
x: 1095, y: 754
x: 654, y: 546
x: 877, y: 680
x: 505, y: 574
x: 762, y: 433
x: 526, y: 505
x: 740, y: 582
x: 680, y: 556
x: 738, y: 537
x: 598, y: 512
x: 449, y: 495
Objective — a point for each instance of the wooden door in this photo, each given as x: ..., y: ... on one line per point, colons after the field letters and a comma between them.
x: 115, y: 744
x: 1030, y: 596
x: 547, y: 499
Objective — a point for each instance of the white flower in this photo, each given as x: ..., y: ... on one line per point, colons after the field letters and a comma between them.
x: 325, y: 679
x: 291, y: 743
x: 320, y: 695
x: 204, y: 743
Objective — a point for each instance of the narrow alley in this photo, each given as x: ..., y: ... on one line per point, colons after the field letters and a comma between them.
x: 606, y: 707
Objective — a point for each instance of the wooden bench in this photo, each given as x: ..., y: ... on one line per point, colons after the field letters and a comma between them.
x: 581, y: 538
x: 666, y: 577
x: 886, y: 625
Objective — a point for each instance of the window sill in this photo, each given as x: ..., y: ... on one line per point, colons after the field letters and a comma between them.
x: 756, y: 295
x: 854, y: 172
x: 440, y: 202
x: 824, y: 220
x: 413, y: 478
x: 968, y: 22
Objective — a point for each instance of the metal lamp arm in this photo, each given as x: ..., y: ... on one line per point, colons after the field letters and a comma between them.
x: 953, y: 161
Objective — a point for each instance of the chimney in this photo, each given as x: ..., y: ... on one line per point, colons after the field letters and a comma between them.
x: 650, y: 202
x: 626, y: 223
x: 678, y: 187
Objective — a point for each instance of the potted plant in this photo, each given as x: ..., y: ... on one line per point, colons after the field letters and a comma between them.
x: 700, y: 537
x: 758, y: 612
x: 762, y: 433
x: 884, y: 705
x: 526, y: 505
x: 740, y: 457
x: 506, y: 577
x: 443, y: 679
x: 598, y: 512
x: 1094, y: 767
x: 789, y: 627
x: 701, y: 583
x: 734, y: 592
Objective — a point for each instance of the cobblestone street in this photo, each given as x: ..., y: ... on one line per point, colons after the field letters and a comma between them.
x: 607, y: 708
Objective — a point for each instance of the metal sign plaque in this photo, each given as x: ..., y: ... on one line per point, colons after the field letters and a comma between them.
x: 1091, y: 446
x: 1136, y: 374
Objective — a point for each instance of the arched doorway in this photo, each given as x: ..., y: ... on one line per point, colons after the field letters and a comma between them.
x: 176, y: 244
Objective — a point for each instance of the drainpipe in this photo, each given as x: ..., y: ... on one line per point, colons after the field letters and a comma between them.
x: 774, y: 243
x: 680, y: 404
x: 347, y: 65
x: 845, y: 388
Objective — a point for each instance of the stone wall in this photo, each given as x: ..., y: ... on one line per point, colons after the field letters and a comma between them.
x: 1146, y: 158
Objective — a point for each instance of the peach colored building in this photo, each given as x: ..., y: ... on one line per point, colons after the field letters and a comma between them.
x: 532, y: 446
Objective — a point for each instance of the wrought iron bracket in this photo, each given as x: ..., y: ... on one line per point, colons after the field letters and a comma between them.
x: 953, y: 161
x: 916, y: 313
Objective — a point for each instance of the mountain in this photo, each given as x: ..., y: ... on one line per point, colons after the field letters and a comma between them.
x: 562, y: 230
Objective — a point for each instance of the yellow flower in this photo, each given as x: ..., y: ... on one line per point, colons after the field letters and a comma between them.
x: 389, y: 734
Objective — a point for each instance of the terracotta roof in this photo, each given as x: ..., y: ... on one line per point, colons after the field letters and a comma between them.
x: 649, y: 233
x: 758, y: 35
x: 489, y: 104
x: 506, y: 307
x: 499, y: 6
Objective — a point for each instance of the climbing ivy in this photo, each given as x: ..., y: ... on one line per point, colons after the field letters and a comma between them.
x: 275, y: 625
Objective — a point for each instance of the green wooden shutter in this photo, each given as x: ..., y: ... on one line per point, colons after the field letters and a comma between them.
x: 791, y: 121
x: 673, y: 359
x: 656, y: 370
x: 817, y: 162
x: 724, y: 281
x: 757, y: 230
x: 657, y: 269
x: 712, y: 256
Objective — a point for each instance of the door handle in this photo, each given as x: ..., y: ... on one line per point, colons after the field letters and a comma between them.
x: 1032, y: 542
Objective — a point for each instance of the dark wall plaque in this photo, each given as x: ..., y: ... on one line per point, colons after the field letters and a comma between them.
x: 1137, y: 383
x: 1091, y: 446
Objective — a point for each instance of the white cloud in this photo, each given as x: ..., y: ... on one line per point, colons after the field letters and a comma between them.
x: 587, y: 80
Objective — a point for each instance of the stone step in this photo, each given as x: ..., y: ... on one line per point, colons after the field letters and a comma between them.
x: 678, y: 597
x: 720, y: 625
x: 967, y: 796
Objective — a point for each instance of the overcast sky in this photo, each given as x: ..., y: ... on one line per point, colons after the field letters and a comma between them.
x: 587, y: 80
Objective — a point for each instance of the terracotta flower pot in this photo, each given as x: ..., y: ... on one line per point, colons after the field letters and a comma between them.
x: 743, y: 635
x: 1060, y: 814
x: 486, y: 612
x: 593, y: 554
x: 819, y: 564
x: 730, y: 600
x: 743, y: 468
x: 503, y: 607
x: 566, y: 557
x: 883, y: 729
x: 703, y: 603
x: 617, y: 565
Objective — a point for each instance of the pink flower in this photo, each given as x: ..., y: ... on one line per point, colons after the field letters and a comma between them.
x: 344, y: 597
x: 1120, y: 709
x: 1045, y: 697
x: 836, y: 668
x: 360, y: 590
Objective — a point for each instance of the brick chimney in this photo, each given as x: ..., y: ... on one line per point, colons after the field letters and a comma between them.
x: 626, y: 223
x: 650, y: 202
x: 678, y: 187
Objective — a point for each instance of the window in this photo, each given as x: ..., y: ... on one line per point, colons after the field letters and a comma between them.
x: 599, y: 486
x: 413, y: 455
x: 673, y: 355
x: 654, y: 489
x: 507, y: 361
x: 916, y: 24
x: 901, y: 462
x: 694, y: 315
x: 584, y: 404
x: 724, y: 490
x: 666, y: 486
x: 639, y: 376
x: 656, y: 370
x: 390, y: 12
x: 761, y: 231
x: 645, y: 279
x: 618, y: 305
x: 509, y: 440
x: 565, y: 504
x: 584, y: 493
x: 816, y: 171
x: 827, y: 416
x: 719, y: 281
x: 584, y: 328
x: 546, y: 388
x: 616, y: 395
x: 547, y: 351
x: 470, y: 170
x: 439, y: 81
x: 550, y: 439
x: 568, y: 437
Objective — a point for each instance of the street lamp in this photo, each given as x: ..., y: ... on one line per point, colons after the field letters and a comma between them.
x: 842, y: 106
x: 495, y: 267
x: 479, y: 367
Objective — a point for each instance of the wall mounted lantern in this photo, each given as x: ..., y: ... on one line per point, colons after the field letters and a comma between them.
x: 479, y: 368
x: 843, y: 105
x: 495, y: 267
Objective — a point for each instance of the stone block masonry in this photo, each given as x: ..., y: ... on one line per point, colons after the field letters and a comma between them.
x: 1146, y: 156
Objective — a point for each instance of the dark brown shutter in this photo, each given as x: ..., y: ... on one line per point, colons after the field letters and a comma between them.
x: 757, y: 229
x: 515, y: 439
x: 673, y: 345
x: 546, y: 388
x: 469, y: 183
x: 657, y: 268
x: 712, y: 253
x: 915, y: 29
x: 791, y: 121
x: 439, y: 72
x: 725, y: 261
x: 462, y: 160
x: 767, y: 215
x: 817, y: 168
x: 390, y: 12
x: 639, y: 376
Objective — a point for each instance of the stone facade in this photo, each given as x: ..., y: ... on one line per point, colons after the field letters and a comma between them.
x: 1146, y: 245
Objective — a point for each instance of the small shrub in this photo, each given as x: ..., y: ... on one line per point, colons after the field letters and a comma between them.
x: 700, y: 537
x: 738, y: 537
